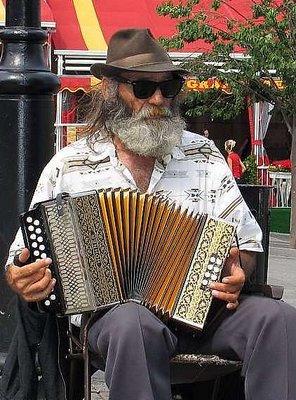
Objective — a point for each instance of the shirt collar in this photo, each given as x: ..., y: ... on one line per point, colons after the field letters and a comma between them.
x: 102, y: 150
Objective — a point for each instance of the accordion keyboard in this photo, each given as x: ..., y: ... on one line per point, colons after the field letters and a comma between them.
x: 36, y: 239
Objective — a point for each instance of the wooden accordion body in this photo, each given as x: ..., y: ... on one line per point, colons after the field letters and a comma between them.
x: 113, y: 246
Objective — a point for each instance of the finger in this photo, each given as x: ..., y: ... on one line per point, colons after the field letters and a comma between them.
x: 22, y: 284
x: 234, y: 252
x: 21, y: 278
x: 227, y: 297
x: 232, y: 306
x: 19, y: 260
x: 231, y: 261
x: 24, y: 255
x: 30, y: 269
x: 41, y: 289
x: 41, y: 295
x: 232, y: 280
x: 236, y: 273
x: 236, y: 279
x: 226, y: 288
x: 41, y: 284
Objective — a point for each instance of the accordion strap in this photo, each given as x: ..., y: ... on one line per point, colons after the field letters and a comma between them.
x: 239, y: 255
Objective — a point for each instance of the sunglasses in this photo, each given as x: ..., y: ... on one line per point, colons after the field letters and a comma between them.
x: 143, y: 89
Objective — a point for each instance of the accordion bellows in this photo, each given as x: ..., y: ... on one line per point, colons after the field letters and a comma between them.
x: 113, y: 246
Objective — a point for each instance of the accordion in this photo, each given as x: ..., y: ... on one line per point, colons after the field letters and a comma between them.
x: 117, y: 245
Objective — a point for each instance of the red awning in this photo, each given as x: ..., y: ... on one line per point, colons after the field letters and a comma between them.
x: 89, y: 24
x: 74, y: 83
x: 47, y: 19
x: 46, y: 13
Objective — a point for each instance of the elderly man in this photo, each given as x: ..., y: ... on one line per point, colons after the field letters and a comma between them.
x: 136, y: 139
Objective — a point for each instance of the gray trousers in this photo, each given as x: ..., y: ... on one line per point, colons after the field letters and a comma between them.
x: 134, y: 347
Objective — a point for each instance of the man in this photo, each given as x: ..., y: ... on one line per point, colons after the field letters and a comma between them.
x: 137, y: 139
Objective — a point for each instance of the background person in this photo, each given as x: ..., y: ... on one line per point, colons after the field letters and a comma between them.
x: 137, y: 139
x: 206, y: 133
x: 234, y: 161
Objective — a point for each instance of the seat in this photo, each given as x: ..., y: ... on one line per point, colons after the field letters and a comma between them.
x: 200, y: 375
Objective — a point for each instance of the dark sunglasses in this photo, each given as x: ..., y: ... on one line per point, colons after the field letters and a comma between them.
x: 143, y: 89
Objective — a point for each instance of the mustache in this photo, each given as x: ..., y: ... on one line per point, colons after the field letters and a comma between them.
x: 149, y: 111
x: 120, y: 110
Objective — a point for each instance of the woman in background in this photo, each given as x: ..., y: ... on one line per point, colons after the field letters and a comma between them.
x: 234, y: 161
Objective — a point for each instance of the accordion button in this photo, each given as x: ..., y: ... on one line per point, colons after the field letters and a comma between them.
x: 38, y: 231
x: 33, y: 236
x: 36, y: 222
x: 29, y: 220
x: 213, y: 259
x: 36, y: 253
x: 52, y: 297
x: 214, y: 277
x: 31, y: 228
x: 205, y: 282
x: 40, y: 239
x: 210, y: 267
x: 43, y: 255
x: 207, y: 274
x: 34, y: 245
x: 219, y: 262
x: 42, y: 247
x: 216, y: 269
x: 47, y: 303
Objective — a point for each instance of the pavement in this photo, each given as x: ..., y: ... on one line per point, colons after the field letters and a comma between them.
x: 282, y: 266
x: 281, y: 271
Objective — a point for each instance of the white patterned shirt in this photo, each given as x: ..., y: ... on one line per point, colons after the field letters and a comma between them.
x: 195, y: 176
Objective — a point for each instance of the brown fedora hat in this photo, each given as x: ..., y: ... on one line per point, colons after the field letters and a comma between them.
x: 135, y: 50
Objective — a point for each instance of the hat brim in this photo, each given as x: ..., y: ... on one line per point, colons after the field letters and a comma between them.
x: 100, y: 69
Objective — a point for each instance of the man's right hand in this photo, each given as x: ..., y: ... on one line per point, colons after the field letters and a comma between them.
x: 33, y: 282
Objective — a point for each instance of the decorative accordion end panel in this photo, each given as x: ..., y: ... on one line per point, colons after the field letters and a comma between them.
x: 119, y: 245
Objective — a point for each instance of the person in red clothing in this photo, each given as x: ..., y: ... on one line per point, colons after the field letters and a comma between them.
x: 233, y: 160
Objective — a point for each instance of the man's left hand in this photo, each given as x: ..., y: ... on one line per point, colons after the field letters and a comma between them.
x: 232, y: 283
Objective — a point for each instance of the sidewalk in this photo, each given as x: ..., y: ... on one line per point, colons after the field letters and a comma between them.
x: 282, y: 266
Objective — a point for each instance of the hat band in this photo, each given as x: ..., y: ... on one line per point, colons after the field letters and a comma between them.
x: 138, y: 61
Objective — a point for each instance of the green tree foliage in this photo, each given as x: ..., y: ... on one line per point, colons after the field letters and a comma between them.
x: 266, y: 40
x: 250, y: 175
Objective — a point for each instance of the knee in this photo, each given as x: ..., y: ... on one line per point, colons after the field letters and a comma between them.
x: 124, y: 322
x: 271, y: 313
x: 124, y: 319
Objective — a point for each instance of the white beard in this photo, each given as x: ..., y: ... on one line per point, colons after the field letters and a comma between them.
x: 151, y: 132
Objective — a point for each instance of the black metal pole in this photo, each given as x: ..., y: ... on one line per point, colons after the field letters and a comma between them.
x: 27, y: 89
